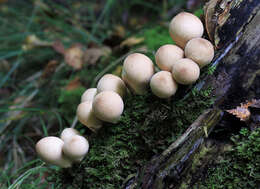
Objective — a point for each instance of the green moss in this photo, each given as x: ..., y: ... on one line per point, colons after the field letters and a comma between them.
x: 156, y: 37
x: 69, y: 100
x: 240, y: 167
x: 147, y: 127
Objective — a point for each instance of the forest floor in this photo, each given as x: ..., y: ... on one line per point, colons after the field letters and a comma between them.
x: 52, y: 51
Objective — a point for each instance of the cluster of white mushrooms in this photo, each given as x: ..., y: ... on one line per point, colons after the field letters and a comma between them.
x: 70, y: 148
x: 180, y: 64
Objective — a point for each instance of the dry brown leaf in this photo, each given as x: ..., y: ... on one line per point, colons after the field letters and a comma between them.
x: 131, y: 41
x: 50, y: 68
x: 242, y: 112
x: 210, y: 18
x: 92, y: 55
x: 73, y: 84
x: 74, y: 56
x: 58, y: 47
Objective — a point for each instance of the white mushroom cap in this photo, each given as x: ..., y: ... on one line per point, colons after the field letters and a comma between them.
x: 163, y: 85
x: 200, y: 51
x: 87, y: 117
x: 76, y: 148
x: 67, y: 133
x: 89, y: 94
x: 185, y: 71
x: 137, y: 72
x: 110, y: 82
x: 49, y: 150
x: 185, y: 26
x: 166, y: 55
x: 108, y: 106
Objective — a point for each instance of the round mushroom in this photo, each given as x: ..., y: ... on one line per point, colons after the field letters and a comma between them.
x: 166, y: 55
x: 108, y: 106
x: 137, y: 72
x: 89, y: 94
x: 185, y: 26
x: 110, y: 82
x: 87, y: 117
x: 76, y: 148
x: 163, y: 85
x: 67, y: 133
x: 185, y: 71
x: 49, y: 150
x: 200, y: 51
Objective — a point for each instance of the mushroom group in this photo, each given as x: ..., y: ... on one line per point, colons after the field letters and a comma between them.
x: 64, y: 151
x: 179, y: 64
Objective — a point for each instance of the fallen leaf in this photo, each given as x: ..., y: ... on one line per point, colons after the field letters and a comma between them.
x: 92, y: 55
x: 33, y: 41
x: 210, y: 18
x: 50, y: 68
x: 58, y: 47
x: 73, y: 84
x: 131, y: 41
x: 74, y: 56
x: 119, y: 30
x: 242, y: 112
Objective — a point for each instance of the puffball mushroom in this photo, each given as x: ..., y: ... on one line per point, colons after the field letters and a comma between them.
x: 89, y: 94
x: 108, y: 106
x: 166, y: 55
x: 67, y: 133
x: 200, y: 51
x: 49, y: 150
x: 87, y: 117
x: 185, y: 71
x: 185, y: 26
x: 76, y: 148
x: 137, y: 72
x: 163, y: 85
x: 110, y: 82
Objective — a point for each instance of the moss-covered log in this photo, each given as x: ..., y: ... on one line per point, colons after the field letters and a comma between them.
x: 235, y: 29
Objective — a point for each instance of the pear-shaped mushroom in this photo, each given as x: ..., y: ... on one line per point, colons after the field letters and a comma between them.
x: 67, y: 133
x: 76, y: 148
x: 163, y: 85
x: 185, y: 71
x: 49, y: 150
x: 185, y: 26
x: 87, y: 117
x: 110, y: 82
x: 108, y: 106
x: 200, y: 51
x: 89, y: 94
x: 166, y: 55
x: 137, y: 72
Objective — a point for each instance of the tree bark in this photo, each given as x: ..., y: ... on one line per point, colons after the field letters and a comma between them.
x: 236, y: 32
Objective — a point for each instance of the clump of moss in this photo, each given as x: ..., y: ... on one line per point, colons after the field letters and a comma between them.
x: 156, y: 37
x: 240, y: 167
x: 148, y: 126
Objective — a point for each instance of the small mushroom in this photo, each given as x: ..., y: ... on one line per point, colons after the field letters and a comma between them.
x: 108, y: 106
x: 200, y: 51
x: 163, y: 85
x: 110, y: 82
x: 89, y: 94
x: 166, y: 55
x: 76, y: 148
x: 185, y: 26
x: 185, y: 71
x: 87, y: 117
x: 137, y: 72
x: 67, y: 133
x: 49, y: 150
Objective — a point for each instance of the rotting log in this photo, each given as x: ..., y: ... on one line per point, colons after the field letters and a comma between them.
x: 234, y: 28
